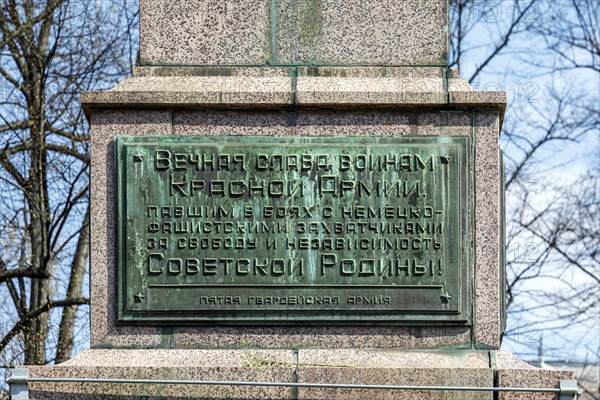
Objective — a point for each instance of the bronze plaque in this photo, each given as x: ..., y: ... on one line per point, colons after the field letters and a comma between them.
x: 294, y: 230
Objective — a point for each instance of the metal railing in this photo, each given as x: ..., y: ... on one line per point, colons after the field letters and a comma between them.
x: 19, y: 385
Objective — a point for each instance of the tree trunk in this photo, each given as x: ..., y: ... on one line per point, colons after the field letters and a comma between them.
x: 64, y: 346
x: 36, y: 194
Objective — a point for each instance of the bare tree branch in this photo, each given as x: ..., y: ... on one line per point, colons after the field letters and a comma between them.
x: 36, y: 313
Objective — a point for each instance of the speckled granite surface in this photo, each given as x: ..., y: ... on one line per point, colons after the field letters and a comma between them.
x: 512, y: 372
x: 280, y: 68
x: 294, y: 87
x: 280, y: 32
x: 350, y: 366
x: 108, y: 123
x: 214, y: 32
x: 368, y: 367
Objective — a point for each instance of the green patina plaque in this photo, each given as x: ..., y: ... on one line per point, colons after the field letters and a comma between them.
x: 294, y: 230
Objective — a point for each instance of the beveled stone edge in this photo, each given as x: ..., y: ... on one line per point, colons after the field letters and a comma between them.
x: 275, y: 369
x: 365, y: 88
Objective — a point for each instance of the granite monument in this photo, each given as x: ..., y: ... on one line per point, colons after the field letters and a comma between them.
x: 295, y: 191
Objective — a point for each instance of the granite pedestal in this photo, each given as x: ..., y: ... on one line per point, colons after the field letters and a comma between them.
x: 305, y: 68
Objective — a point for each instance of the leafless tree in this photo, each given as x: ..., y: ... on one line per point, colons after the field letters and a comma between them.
x: 51, y: 50
x: 546, y: 54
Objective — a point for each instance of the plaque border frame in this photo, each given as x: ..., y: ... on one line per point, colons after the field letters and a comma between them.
x: 337, y: 318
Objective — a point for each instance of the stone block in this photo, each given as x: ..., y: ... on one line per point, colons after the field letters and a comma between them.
x: 357, y: 32
x: 204, y: 32
x: 108, y: 123
x: 512, y: 372
x: 187, y: 365
x: 393, y: 368
x: 379, y: 367
x: 288, y: 32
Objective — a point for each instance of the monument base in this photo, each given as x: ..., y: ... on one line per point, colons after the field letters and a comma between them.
x: 473, y: 368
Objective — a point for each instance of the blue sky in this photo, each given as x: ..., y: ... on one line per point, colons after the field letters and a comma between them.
x: 527, y: 71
